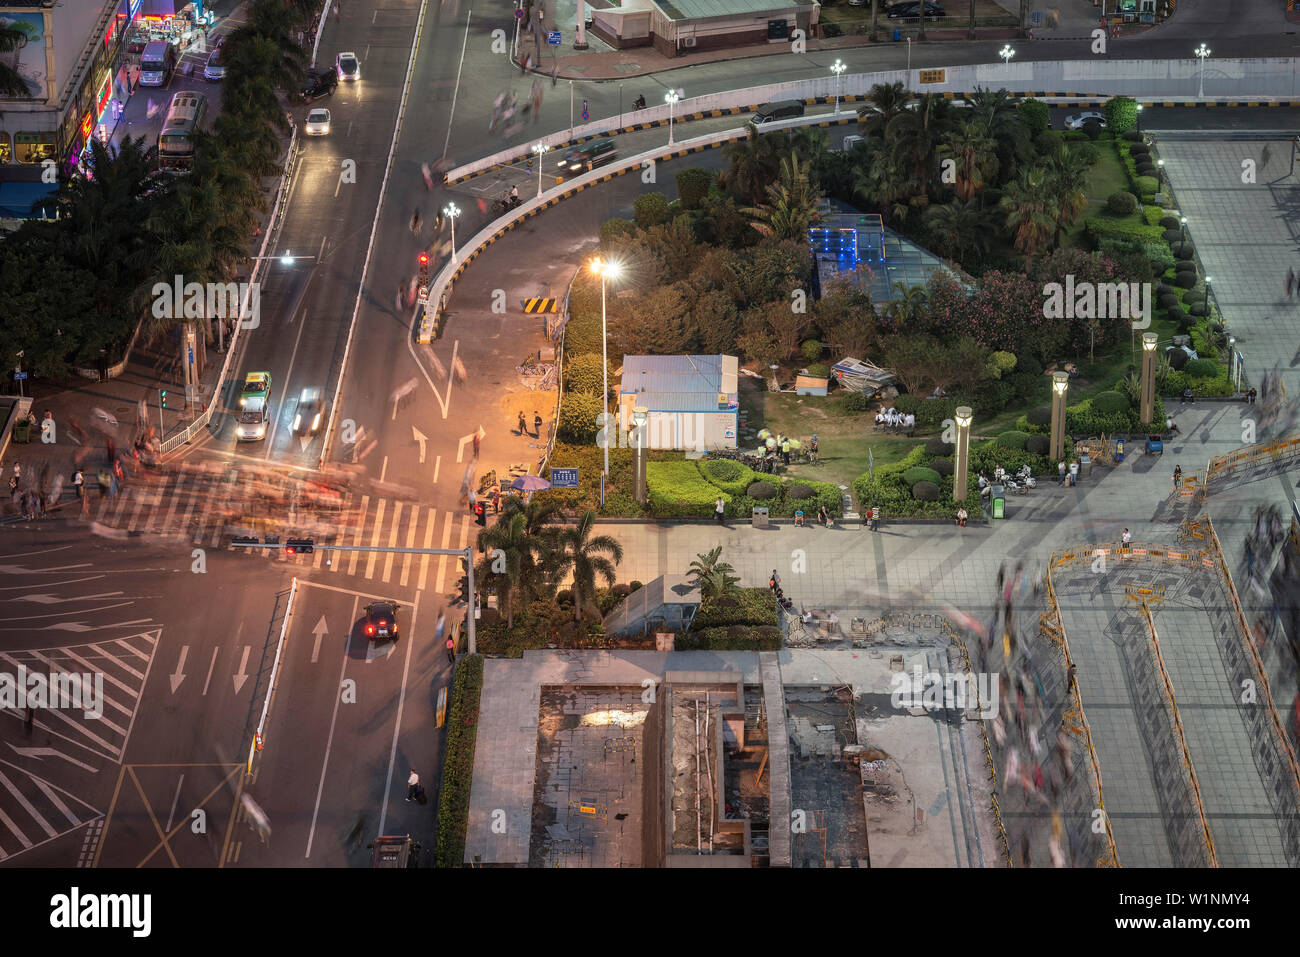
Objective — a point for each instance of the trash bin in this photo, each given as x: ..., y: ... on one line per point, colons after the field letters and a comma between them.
x: 898, y: 35
x: 760, y: 516
x: 22, y: 431
x: 1085, y: 466
x: 999, y: 501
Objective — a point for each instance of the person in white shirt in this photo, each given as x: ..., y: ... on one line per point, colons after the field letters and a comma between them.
x: 1127, y: 537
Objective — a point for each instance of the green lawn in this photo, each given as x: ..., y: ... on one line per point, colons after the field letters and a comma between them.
x: 1106, y: 177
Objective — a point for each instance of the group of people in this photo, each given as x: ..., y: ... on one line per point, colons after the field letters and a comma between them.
x: 537, y: 424
x: 895, y: 421
x: 824, y: 517
x: 774, y: 584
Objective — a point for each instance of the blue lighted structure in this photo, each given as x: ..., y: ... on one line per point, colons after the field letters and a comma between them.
x: 859, y: 243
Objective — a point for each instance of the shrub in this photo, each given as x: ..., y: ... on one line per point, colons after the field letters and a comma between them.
x: 651, y: 209
x: 1162, y: 288
x: 1172, y: 235
x: 693, y: 186
x: 857, y: 402
x: 1147, y: 185
x: 732, y: 638
x: 585, y: 373
x: 800, y: 491
x: 1201, y: 369
x: 723, y: 470
x: 613, y: 229
x: 1092, y: 129
x: 943, y: 467
x: 1167, y: 301
x: 936, y: 446
x: 761, y: 491
x: 1121, y: 203
x: 1100, y: 226
x: 811, y: 350
x: 1121, y: 114
x: 679, y: 490
x: 1038, y: 444
x: 1108, y: 402
x: 1040, y: 415
x: 1184, y: 279
x: 1184, y: 252
x: 458, y: 761
x: 1138, y: 148
x: 749, y: 606
x: 820, y: 370
x: 1170, y: 222
x: 634, y: 585
x: 1012, y: 440
x: 1132, y: 136
x: 1036, y: 115
x: 1198, y: 309
x: 564, y: 597
x: 1178, y: 358
x: 925, y: 492
x: 1176, y: 314
x: 578, y: 414
x: 620, y: 591
x: 920, y: 473
x: 1083, y: 419
x: 1159, y: 256
x: 1048, y: 142
x: 929, y: 413
x: 1001, y: 362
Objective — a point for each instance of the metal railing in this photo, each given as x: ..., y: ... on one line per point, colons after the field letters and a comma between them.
x: 559, y: 368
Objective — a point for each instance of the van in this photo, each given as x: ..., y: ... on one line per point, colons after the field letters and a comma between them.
x: 157, y: 63
x: 851, y: 141
x: 784, y: 110
x: 395, y: 851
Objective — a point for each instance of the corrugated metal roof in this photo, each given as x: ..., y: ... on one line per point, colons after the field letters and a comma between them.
x: 655, y: 374
x: 704, y: 9
x: 680, y: 402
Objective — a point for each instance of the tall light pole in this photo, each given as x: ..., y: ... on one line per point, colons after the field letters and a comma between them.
x: 1148, y: 405
x: 1202, y: 51
x: 640, y: 416
x: 1139, y: 117
x: 837, y: 68
x: 1183, y: 221
x: 540, y: 149
x: 909, y: 61
x: 604, y: 270
x: 671, y: 99
x: 964, y: 417
x: 1208, y: 280
x: 1060, y: 383
x: 451, y: 212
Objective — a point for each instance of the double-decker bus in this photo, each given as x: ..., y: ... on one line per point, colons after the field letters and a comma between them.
x: 176, y: 140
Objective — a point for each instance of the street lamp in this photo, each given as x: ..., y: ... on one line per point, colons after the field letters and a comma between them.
x: 1202, y: 51
x: 1208, y: 280
x: 639, y: 418
x: 1148, y: 404
x: 1060, y: 383
x: 604, y: 270
x: 451, y: 212
x: 1139, y: 117
x: 837, y: 68
x: 1183, y: 221
x: 671, y: 99
x: 540, y: 149
x: 1006, y: 53
x: 964, y: 417
x: 1160, y: 169
x: 909, y: 59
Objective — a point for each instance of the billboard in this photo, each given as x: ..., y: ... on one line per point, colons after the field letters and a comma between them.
x: 27, y: 59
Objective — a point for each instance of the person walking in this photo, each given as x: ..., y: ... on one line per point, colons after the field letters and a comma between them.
x: 412, y: 786
x: 18, y: 472
x: 1290, y: 282
x: 1178, y: 475
x: 476, y: 443
x: 1127, y: 538
x: 1250, y: 396
x: 425, y: 173
x: 473, y: 499
x: 523, y: 424
x: 719, y: 510
x: 774, y: 583
x: 451, y: 650
x: 537, y: 425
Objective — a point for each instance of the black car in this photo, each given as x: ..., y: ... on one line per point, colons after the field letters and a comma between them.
x: 381, y: 620
x: 318, y: 84
x: 912, y: 11
x: 589, y: 157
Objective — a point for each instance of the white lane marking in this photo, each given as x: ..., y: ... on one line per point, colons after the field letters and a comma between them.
x: 356, y: 540
x: 410, y: 543
x: 383, y: 470
x: 456, y: 90
x: 442, y: 559
x: 443, y: 403
x: 171, y: 816
x: 329, y: 741
x: 437, y: 464
x: 211, y: 665
x: 288, y: 375
x: 428, y: 543
x: 401, y: 702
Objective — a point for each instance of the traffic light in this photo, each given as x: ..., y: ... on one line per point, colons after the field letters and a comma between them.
x: 162, y: 397
x: 299, y: 546
x: 424, y: 267
x: 463, y: 586
x: 480, y: 514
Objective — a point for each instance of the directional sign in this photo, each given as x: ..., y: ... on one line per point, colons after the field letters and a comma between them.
x: 1037, y: 17
x: 19, y: 376
x: 553, y: 38
x: 585, y: 115
x: 564, y: 478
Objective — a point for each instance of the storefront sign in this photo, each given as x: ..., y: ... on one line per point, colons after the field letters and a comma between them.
x: 933, y: 76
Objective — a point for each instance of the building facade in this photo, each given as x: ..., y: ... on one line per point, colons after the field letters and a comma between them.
x: 678, y: 27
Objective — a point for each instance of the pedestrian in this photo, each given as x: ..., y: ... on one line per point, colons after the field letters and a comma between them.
x: 111, y: 450
x: 1127, y: 537
x: 473, y: 499
x: 451, y: 650
x: 18, y: 471
x: 1250, y: 396
x: 523, y: 424
x: 1074, y: 473
x: 13, y: 485
x: 962, y: 516
x: 427, y: 175
x: 537, y: 425
x: 397, y: 301
x: 775, y: 581
x: 496, y: 501
x: 117, y: 470
x: 1290, y: 282
x: 1178, y: 475
x: 719, y: 509
x: 1060, y: 472
x: 412, y: 786
x: 476, y: 443
x: 875, y: 517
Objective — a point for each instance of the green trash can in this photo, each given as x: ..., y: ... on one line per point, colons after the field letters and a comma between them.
x: 999, y: 501
x: 22, y: 431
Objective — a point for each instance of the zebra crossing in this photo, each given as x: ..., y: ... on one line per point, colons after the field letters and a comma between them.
x: 208, y: 513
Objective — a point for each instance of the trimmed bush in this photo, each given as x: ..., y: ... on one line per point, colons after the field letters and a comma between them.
x: 621, y: 591
x: 733, y: 637
x: 1132, y: 136
x: 458, y: 761
x: 1172, y: 235
x: 1178, y: 358
x: 811, y: 350
x: 925, y: 492
x: 1138, y: 148
x: 920, y: 473
x: 761, y: 491
x: 1121, y: 203
x: 1167, y: 301
x: 943, y: 467
x: 651, y: 209
x: 1092, y: 129
x: 800, y: 492
x: 936, y: 446
x: 1012, y: 440
x: 635, y: 585
x: 564, y: 597
x: 1170, y: 222
x: 1176, y: 314
x: 585, y: 373
x: 578, y: 414
x: 1147, y: 185
x: 1035, y: 114
x: 820, y: 370
x: 1040, y: 415
x: 1038, y: 444
x: 693, y: 186
x: 1162, y: 288
x: 1184, y: 279
x: 1201, y: 369
x: 722, y: 470
x: 1108, y: 402
x: 680, y: 490
x: 1198, y: 310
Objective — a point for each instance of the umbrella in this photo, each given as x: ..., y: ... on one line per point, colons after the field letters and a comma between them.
x: 530, y: 483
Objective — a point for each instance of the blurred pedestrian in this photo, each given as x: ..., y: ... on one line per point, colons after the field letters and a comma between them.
x: 476, y: 443
x: 427, y: 175
x: 537, y: 425
x: 1290, y: 281
x: 451, y: 650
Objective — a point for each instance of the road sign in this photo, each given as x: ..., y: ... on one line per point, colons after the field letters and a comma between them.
x: 1037, y: 17
x: 585, y: 115
x: 191, y: 355
x: 564, y: 478
x: 553, y: 38
x: 519, y: 14
x: 424, y: 292
x: 19, y: 376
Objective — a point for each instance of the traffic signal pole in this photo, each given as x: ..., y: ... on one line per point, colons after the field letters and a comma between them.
x: 307, y: 546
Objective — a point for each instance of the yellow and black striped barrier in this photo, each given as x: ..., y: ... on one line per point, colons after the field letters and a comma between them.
x: 537, y: 304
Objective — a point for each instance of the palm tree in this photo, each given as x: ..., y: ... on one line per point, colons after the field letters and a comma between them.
x: 509, y: 542
x: 1067, y: 175
x: 809, y: 143
x: 11, y: 84
x: 909, y: 304
x: 584, y: 556
x: 975, y: 156
x: 997, y: 111
x: 1026, y: 204
x: 917, y: 134
x: 716, y: 579
x: 883, y: 185
x: 752, y: 165
x: 958, y: 228
x: 791, y: 207
x: 884, y: 102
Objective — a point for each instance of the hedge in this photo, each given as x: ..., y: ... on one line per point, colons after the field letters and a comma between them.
x: 929, y: 413
x: 730, y: 476
x: 753, y: 606
x: 921, y: 473
x: 458, y: 762
x: 679, y: 490
x: 1012, y: 439
x: 1083, y: 419
x: 731, y: 638
x: 1098, y: 227
x: 888, y: 490
x: 1176, y: 382
x: 987, y: 456
x: 1202, y: 369
x: 1107, y: 403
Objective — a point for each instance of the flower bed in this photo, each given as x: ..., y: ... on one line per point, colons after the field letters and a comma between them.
x: 458, y: 763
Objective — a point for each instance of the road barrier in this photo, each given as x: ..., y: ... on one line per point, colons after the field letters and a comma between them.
x: 1263, y: 455
x: 259, y: 737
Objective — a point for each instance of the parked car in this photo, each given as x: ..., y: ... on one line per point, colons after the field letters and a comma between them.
x: 318, y: 84
x: 318, y: 123
x: 912, y: 11
x: 1076, y: 121
x: 215, y: 70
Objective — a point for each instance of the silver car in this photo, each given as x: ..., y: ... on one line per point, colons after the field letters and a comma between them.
x: 1076, y: 121
x: 318, y: 123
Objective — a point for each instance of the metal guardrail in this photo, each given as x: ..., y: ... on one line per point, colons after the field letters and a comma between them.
x: 1252, y: 456
x: 173, y: 442
x: 259, y: 740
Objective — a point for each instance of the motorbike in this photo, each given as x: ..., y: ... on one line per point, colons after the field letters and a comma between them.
x: 1020, y: 488
x: 504, y: 205
x: 1025, y: 477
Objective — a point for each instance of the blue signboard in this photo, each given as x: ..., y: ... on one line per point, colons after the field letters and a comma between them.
x: 19, y: 376
x: 1037, y: 18
x: 553, y: 38
x: 564, y: 478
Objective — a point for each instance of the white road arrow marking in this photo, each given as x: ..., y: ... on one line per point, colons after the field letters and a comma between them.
x: 242, y: 675
x: 304, y: 440
x: 319, y: 631
x: 39, y: 753
x: 444, y: 402
x: 421, y: 438
x: 178, y: 675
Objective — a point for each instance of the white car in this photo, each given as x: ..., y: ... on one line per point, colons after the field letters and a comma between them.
x: 318, y: 123
x: 1076, y: 121
x: 252, y: 422
x: 348, y: 66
